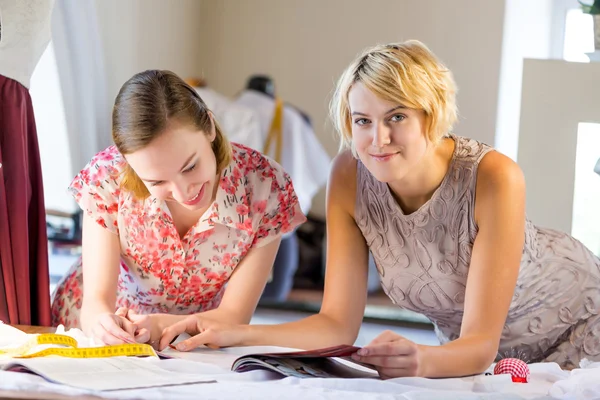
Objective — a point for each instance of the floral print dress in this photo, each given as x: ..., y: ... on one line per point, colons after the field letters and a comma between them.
x: 159, y: 271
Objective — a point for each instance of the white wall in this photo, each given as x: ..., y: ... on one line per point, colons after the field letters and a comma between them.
x: 557, y: 96
x: 305, y: 45
x: 527, y: 34
x: 149, y: 34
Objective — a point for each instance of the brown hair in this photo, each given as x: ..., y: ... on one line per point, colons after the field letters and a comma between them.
x: 143, y: 108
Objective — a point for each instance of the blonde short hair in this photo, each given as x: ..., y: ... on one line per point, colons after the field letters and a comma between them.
x: 406, y: 73
x: 144, y: 106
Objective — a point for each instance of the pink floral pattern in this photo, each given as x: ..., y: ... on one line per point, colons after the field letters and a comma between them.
x: 161, y: 272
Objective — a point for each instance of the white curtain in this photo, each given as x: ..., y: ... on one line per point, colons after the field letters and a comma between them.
x: 83, y: 80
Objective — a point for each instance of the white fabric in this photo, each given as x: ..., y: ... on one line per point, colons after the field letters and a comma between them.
x: 25, y: 34
x: 547, y: 381
x: 240, y: 124
x: 302, y: 155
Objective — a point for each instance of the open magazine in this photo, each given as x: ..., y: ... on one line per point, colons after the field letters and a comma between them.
x: 331, y: 362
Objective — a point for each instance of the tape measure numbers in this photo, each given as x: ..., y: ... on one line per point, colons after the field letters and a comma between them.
x: 71, y: 350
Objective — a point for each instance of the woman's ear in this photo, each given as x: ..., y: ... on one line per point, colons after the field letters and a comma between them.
x: 213, y: 129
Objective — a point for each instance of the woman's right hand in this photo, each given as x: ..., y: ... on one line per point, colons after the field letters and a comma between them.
x: 204, y: 332
x: 149, y: 327
x: 110, y: 328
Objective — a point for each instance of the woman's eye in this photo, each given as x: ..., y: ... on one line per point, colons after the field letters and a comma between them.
x: 190, y: 168
x: 398, y: 118
x: 156, y: 183
x: 361, y: 121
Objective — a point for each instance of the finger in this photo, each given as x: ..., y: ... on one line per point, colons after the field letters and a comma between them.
x: 104, y: 337
x: 386, y: 336
x: 122, y: 312
x: 391, y: 373
x: 394, y: 362
x: 111, y: 327
x: 399, y: 348
x: 133, y: 316
x: 205, y: 338
x: 129, y: 327
x: 187, y: 325
x: 142, y: 336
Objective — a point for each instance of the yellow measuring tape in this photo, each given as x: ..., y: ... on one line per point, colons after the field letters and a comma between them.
x: 71, y: 350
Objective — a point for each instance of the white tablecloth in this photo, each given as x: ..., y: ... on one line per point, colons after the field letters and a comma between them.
x: 547, y: 381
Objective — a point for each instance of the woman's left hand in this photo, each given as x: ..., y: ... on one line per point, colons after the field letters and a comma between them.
x: 392, y: 355
x: 149, y: 327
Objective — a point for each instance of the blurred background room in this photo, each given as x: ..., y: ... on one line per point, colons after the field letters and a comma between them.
x: 527, y: 71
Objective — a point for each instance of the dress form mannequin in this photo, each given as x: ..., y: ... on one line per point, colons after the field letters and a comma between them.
x: 286, y: 262
x: 25, y: 32
x: 265, y: 84
x: 240, y: 124
x: 261, y: 83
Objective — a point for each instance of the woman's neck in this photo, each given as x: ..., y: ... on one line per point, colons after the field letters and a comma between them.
x: 415, y: 189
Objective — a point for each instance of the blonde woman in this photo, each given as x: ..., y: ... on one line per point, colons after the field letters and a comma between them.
x: 444, y: 217
x: 177, y: 221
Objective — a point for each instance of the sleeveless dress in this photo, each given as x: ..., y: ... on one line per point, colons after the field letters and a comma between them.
x: 423, y: 261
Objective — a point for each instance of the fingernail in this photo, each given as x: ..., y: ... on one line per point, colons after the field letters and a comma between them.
x: 181, y: 347
x: 362, y: 352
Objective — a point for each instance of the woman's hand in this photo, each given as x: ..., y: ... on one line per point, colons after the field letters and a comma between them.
x: 205, y: 332
x: 392, y: 355
x: 109, y: 329
x: 149, y: 327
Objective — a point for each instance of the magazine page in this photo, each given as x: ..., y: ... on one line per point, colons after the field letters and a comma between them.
x: 223, y: 357
x: 111, y: 373
x: 334, y: 351
x: 304, y: 367
x: 327, y: 362
x: 340, y: 352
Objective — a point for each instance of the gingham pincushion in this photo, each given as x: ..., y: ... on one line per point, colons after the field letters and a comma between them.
x: 518, y: 369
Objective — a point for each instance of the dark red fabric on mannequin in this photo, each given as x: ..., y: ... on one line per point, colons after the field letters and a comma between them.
x: 24, y: 275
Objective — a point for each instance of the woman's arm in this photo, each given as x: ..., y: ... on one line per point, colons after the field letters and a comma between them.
x: 245, y: 286
x: 344, y: 299
x: 100, y: 264
x: 239, y: 301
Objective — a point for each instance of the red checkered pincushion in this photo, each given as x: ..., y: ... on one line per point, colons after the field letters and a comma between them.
x: 518, y: 369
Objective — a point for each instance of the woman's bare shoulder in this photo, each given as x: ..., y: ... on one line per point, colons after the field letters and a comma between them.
x: 342, y: 181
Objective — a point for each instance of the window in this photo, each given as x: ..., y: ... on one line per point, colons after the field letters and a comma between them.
x: 586, y: 193
x: 579, y: 40
x: 51, y: 125
x: 47, y: 99
x: 579, y: 36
